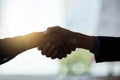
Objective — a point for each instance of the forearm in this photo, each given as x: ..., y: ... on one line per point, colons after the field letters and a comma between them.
x: 83, y: 41
x: 10, y: 47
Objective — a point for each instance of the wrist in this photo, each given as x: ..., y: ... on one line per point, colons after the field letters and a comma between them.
x: 32, y: 40
x: 82, y: 41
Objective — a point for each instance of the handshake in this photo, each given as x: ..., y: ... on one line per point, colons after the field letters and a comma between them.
x: 57, y: 42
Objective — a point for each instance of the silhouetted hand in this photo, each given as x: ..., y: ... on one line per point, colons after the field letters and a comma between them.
x: 56, y: 43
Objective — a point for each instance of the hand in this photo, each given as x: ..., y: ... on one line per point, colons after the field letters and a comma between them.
x: 61, y: 31
x: 78, y: 39
x: 56, y: 43
x: 68, y: 35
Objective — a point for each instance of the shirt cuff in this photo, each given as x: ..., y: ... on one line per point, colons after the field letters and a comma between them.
x: 96, y: 47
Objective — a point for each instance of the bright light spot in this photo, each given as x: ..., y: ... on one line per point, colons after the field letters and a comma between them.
x: 20, y: 17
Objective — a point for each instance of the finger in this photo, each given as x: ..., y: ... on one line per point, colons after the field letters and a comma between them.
x: 65, y: 56
x: 63, y: 50
x: 60, y: 57
x: 52, y: 29
x: 54, y: 55
x: 70, y: 45
x: 50, y: 50
x: 45, y: 49
x: 39, y: 48
x: 66, y: 49
x: 42, y: 44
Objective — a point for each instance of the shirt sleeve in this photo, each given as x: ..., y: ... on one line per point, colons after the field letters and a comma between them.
x: 96, y: 47
x: 109, y: 49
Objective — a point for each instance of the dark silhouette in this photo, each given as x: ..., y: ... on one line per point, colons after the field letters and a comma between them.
x: 105, y: 48
x: 11, y: 47
x: 57, y: 42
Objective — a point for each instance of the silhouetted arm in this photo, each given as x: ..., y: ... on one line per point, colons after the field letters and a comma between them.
x: 105, y: 48
x: 10, y: 47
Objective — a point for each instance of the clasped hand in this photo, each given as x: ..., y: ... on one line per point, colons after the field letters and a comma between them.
x: 56, y: 42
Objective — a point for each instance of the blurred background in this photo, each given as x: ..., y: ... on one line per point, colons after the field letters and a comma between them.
x: 91, y: 17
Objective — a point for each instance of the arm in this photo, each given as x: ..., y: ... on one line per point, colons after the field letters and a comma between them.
x: 10, y: 47
x: 106, y: 50
x: 78, y: 39
x: 109, y: 47
x: 83, y: 41
x: 73, y: 39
